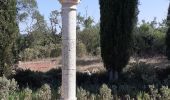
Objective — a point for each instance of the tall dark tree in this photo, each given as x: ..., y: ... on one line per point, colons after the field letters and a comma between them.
x: 117, y: 21
x: 168, y: 35
x: 8, y: 35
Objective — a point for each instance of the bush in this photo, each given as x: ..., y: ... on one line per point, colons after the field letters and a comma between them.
x: 26, y: 94
x: 55, y: 52
x: 40, y: 52
x: 165, y: 93
x: 44, y: 93
x: 153, y: 92
x: 149, y: 40
x: 80, y: 49
x: 82, y: 94
x: 105, y: 93
x: 141, y: 72
x: 143, y: 96
x: 29, y: 54
x: 7, y: 87
x: 90, y: 38
x: 29, y: 78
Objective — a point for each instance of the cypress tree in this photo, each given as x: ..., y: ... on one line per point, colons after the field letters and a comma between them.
x: 168, y: 35
x: 8, y: 35
x: 117, y: 21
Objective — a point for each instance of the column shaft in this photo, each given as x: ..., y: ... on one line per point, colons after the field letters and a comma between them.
x: 68, y: 51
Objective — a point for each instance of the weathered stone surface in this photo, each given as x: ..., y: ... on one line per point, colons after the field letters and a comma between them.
x: 68, y: 90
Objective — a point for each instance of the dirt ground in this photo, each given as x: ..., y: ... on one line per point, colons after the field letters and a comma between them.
x: 158, y: 61
x: 88, y: 64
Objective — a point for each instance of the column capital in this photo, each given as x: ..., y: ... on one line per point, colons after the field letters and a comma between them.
x: 69, y: 1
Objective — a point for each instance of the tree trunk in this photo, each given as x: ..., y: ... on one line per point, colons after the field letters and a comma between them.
x: 113, y: 76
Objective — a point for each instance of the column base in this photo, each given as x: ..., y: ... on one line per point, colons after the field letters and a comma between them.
x: 68, y: 98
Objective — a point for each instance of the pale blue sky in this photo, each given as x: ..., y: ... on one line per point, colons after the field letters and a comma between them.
x: 148, y: 8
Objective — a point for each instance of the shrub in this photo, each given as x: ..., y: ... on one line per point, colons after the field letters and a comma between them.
x: 90, y: 38
x: 80, y: 49
x: 7, y: 87
x: 145, y: 73
x: 143, y: 96
x: 153, y: 92
x: 165, y: 93
x: 82, y: 94
x: 149, y: 40
x: 13, y: 87
x: 50, y: 50
x: 4, y: 88
x: 29, y: 54
x: 29, y: 78
x: 44, y: 93
x: 105, y: 93
x: 125, y: 89
x: 26, y: 94
x: 55, y: 52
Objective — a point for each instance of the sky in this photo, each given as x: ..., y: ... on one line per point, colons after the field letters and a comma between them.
x: 148, y: 9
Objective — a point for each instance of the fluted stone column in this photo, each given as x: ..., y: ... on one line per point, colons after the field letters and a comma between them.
x: 68, y: 89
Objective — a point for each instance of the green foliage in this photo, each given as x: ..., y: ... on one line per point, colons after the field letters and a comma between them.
x: 134, y: 84
x: 168, y: 35
x: 118, y: 18
x: 143, y: 72
x: 80, y: 49
x: 149, y: 39
x: 7, y: 87
x: 105, y: 93
x: 85, y: 22
x: 56, y: 51
x: 26, y: 94
x: 153, y: 92
x: 165, y: 93
x: 38, y: 52
x: 88, y: 22
x: 143, y: 96
x: 8, y: 35
x: 29, y: 54
x: 82, y: 94
x: 41, y: 41
x: 25, y: 8
x: 44, y: 93
x: 90, y: 38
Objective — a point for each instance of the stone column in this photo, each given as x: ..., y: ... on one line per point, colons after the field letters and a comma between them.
x: 68, y: 89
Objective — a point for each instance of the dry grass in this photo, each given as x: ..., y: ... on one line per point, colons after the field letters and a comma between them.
x: 88, y: 64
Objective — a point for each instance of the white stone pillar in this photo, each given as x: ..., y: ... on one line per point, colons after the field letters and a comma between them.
x: 68, y: 89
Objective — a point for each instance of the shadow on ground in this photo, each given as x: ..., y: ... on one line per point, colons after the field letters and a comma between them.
x: 134, y: 78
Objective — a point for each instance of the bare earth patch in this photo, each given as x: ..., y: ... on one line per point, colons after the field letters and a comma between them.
x: 87, y: 64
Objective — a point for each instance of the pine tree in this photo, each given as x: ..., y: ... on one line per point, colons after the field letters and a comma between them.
x: 8, y: 35
x: 117, y: 21
x: 168, y: 35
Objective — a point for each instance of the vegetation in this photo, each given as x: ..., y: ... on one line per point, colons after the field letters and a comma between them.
x: 90, y: 34
x: 8, y: 36
x: 168, y: 35
x: 138, y: 81
x: 116, y: 38
x: 149, y: 39
x: 117, y: 22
